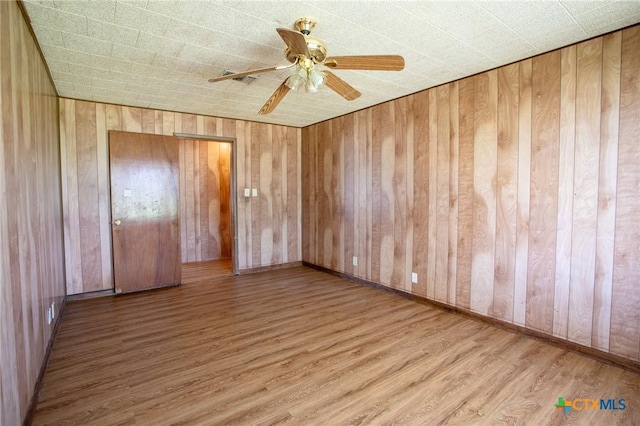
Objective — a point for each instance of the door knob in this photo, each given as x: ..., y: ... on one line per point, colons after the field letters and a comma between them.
x: 117, y: 222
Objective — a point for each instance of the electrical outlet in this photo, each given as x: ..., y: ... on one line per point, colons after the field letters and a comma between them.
x: 247, y: 192
x: 49, y: 316
x: 355, y: 260
x: 53, y: 310
x: 414, y: 277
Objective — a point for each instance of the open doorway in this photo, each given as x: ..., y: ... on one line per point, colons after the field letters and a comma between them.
x: 206, y: 209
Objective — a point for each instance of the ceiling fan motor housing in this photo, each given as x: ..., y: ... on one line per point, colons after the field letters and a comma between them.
x: 317, y: 48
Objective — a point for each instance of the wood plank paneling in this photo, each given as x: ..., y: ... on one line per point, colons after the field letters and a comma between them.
x: 308, y: 179
x: 433, y: 193
x: 73, y: 252
x: 408, y: 188
x: 183, y: 200
x: 400, y: 199
x: 318, y: 197
x: 367, y: 134
x: 32, y: 254
x: 543, y: 210
x: 243, y: 133
x: 454, y: 156
x: 83, y: 131
x: 89, y: 214
x: 104, y: 195
x: 148, y: 119
x: 387, y: 195
x: 292, y: 169
x: 608, y: 176
x: 420, y: 190
x: 524, y: 190
x: 523, y: 200
x: 442, y: 194
x: 203, y: 190
x: 265, y: 196
x: 188, y: 214
x: 350, y: 189
x: 506, y: 192
x: 585, y: 187
x: 335, y: 193
x: 566, y: 163
x: 465, y: 193
x: 279, y: 230
x: 256, y: 208
x: 376, y: 188
x: 485, y: 158
x: 197, y: 171
x: 131, y: 119
x: 625, y: 315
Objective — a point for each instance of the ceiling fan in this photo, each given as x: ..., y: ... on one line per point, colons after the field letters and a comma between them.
x: 304, y: 53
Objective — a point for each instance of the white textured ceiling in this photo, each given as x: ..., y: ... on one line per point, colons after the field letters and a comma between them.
x: 159, y: 54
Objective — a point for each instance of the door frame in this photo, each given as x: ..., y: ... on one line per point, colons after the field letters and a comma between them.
x: 234, y: 201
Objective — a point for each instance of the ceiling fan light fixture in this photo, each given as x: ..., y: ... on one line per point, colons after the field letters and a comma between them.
x: 315, y: 79
x: 297, y: 80
x: 309, y: 87
x: 307, y: 78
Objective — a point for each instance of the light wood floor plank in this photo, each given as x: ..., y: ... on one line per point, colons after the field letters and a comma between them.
x: 202, y: 270
x: 297, y: 346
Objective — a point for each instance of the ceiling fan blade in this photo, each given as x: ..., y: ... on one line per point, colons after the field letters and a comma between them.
x: 275, y: 99
x: 242, y: 74
x: 366, y: 62
x: 340, y: 86
x: 295, y: 41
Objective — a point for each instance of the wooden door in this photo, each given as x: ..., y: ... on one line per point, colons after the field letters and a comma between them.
x: 144, y: 211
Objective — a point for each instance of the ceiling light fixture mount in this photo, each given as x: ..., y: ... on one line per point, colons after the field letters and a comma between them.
x: 304, y: 25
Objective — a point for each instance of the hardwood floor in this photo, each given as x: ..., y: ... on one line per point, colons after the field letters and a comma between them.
x: 300, y: 346
x: 201, y: 271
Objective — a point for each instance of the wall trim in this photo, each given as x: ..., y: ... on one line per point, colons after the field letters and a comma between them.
x: 596, y: 354
x: 33, y: 403
x: 266, y: 268
x: 221, y: 139
x: 91, y: 295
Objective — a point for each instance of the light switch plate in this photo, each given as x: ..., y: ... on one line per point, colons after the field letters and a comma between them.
x: 247, y: 192
x: 254, y: 192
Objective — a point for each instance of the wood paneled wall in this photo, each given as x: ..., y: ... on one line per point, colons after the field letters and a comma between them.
x: 267, y: 158
x: 512, y: 193
x: 205, y: 200
x: 31, y: 251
